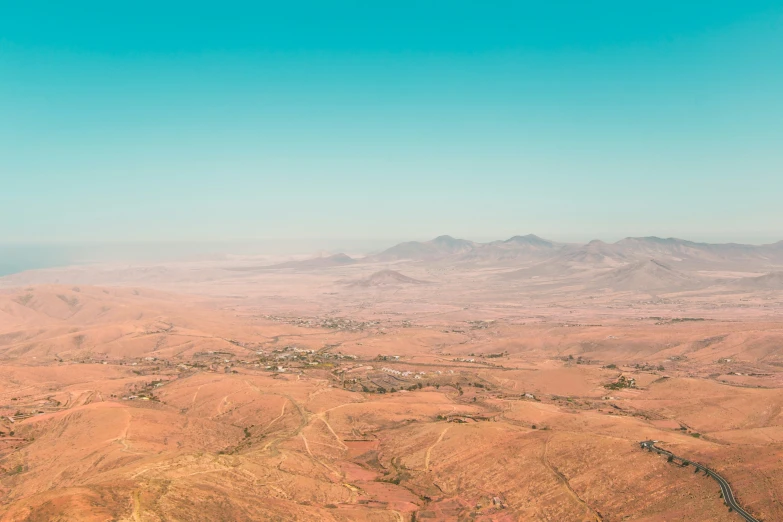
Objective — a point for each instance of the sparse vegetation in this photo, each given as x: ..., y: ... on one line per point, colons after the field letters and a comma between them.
x: 78, y: 340
x: 72, y: 302
x: 622, y: 382
x: 24, y: 300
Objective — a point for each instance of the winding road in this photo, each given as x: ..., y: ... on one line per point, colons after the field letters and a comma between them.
x: 725, y: 488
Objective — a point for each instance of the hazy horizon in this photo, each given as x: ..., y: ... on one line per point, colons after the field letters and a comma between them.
x: 20, y: 257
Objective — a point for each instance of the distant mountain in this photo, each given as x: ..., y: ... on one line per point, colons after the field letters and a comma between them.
x: 569, y: 260
x: 438, y: 248
x: 679, y: 253
x: 596, y: 253
x: 771, y: 281
x: 646, y: 276
x: 520, y: 248
x: 538, y: 257
x: 773, y: 251
x: 682, y: 251
x: 530, y: 240
x: 387, y: 278
x: 317, y: 262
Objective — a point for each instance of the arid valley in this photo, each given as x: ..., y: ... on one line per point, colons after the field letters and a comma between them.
x: 437, y: 380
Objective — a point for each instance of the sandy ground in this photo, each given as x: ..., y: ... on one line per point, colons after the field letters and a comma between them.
x: 194, y: 392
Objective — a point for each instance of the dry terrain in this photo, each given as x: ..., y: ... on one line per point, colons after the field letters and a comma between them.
x: 444, y: 380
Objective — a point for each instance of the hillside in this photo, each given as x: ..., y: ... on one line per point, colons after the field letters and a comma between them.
x: 438, y: 248
x: 473, y: 398
x: 512, y: 251
x: 387, y: 278
x: 317, y: 262
x: 771, y: 281
x: 645, y: 276
x: 692, y: 254
x: 532, y: 249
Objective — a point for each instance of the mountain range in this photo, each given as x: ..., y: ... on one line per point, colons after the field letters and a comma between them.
x: 678, y: 252
x: 534, y: 255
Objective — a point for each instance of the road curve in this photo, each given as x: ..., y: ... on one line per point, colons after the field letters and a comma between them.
x: 728, y: 494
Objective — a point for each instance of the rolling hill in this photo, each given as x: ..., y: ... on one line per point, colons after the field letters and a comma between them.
x: 646, y: 276
x: 387, y: 278
x: 438, y: 248
x: 771, y: 281
x: 317, y: 262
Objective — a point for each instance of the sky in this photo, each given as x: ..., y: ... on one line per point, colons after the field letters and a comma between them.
x: 347, y: 120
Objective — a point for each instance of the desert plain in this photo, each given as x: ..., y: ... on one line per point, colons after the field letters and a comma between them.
x: 438, y: 380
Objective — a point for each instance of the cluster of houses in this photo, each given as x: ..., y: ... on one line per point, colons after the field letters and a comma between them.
x: 338, y: 323
x: 622, y: 382
x: 406, y: 373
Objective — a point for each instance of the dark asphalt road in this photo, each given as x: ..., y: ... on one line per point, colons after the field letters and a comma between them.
x: 728, y: 494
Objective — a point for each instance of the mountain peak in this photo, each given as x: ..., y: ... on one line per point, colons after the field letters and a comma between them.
x: 387, y: 278
x: 651, y: 239
x: 530, y: 239
x: 341, y: 257
x: 447, y: 240
x: 317, y: 262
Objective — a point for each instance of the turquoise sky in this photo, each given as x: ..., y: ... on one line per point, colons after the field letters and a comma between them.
x: 353, y: 120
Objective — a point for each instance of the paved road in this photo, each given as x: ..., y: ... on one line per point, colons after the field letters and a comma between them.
x: 728, y: 494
